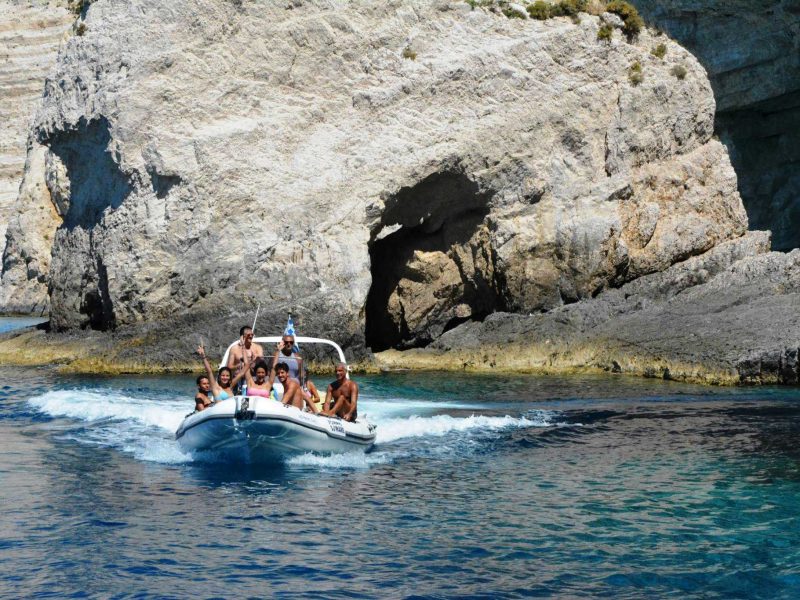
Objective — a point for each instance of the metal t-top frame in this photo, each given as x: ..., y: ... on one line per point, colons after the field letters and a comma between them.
x: 274, y: 339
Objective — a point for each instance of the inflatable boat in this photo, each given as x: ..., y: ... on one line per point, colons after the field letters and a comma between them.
x: 263, y: 429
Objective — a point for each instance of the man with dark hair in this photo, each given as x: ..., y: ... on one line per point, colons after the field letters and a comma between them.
x: 341, y: 399
x: 203, y: 399
x: 246, y: 344
x: 292, y: 392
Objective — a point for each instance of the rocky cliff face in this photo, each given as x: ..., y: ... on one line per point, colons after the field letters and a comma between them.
x: 30, y: 35
x: 388, y: 171
x: 727, y: 316
x: 751, y: 49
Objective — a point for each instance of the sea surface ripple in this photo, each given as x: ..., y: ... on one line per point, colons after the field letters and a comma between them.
x: 478, y: 487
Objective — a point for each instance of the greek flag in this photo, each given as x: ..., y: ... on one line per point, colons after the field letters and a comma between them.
x: 290, y: 331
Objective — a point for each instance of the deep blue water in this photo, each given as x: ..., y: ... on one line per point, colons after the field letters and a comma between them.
x: 478, y: 487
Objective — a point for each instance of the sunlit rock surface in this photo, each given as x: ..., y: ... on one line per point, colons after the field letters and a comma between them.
x: 725, y: 317
x: 751, y: 50
x: 385, y: 170
x: 30, y: 36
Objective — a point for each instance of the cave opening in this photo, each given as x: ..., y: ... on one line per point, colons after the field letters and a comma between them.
x: 431, y: 262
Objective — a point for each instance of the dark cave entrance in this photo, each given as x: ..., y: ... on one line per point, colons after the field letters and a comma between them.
x: 432, y: 264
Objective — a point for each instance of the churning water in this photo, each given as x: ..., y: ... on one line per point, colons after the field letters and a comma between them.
x: 477, y: 487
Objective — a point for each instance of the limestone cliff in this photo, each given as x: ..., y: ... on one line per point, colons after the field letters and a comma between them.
x: 389, y: 171
x: 751, y: 50
x: 216, y: 152
x: 30, y: 35
x: 727, y: 316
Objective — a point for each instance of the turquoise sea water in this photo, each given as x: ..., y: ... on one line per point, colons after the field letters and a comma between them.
x: 478, y: 487
x: 11, y: 323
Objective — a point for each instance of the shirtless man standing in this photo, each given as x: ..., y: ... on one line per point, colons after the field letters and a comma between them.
x: 246, y: 344
x: 341, y: 399
x: 292, y: 392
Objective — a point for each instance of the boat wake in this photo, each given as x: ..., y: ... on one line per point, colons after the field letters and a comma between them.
x: 144, y: 427
x: 136, y: 425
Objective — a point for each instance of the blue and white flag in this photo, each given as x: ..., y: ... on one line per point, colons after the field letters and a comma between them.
x: 290, y: 331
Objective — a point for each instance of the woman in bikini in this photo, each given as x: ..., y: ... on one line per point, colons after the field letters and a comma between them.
x: 258, y: 385
x: 222, y: 384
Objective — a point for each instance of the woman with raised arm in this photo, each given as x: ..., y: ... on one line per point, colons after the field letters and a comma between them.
x: 258, y: 385
x: 222, y: 384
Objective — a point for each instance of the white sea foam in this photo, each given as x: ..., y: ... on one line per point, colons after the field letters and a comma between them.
x: 339, y: 461
x: 414, y: 426
x: 96, y: 406
x: 158, y: 450
x: 390, y: 407
x: 143, y: 427
x: 136, y: 425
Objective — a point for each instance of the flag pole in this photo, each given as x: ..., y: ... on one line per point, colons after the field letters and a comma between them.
x: 256, y: 318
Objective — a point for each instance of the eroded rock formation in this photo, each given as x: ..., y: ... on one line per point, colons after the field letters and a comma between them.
x: 393, y: 169
x: 727, y: 316
x: 751, y: 50
x: 30, y: 35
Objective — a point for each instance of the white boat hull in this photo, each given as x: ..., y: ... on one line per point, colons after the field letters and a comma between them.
x: 261, y: 429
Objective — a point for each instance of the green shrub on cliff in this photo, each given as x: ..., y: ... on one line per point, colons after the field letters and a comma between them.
x: 409, y: 53
x: 633, y: 22
x: 513, y: 13
x: 478, y: 3
x: 605, y: 33
x: 679, y: 71
x: 542, y: 10
x: 539, y: 10
x: 569, y: 8
x: 635, y: 74
x: 659, y: 51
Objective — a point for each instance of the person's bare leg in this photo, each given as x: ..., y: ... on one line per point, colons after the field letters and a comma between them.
x: 335, y: 407
x: 297, y: 400
x: 341, y: 408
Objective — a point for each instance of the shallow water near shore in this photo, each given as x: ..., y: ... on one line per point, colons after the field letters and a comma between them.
x: 478, y: 487
x: 11, y: 323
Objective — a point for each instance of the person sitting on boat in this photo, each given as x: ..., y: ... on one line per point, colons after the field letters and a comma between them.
x: 222, y: 385
x: 258, y: 385
x: 246, y: 346
x: 292, y: 392
x: 285, y: 353
x: 311, y: 393
x: 203, y: 398
x: 341, y: 398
